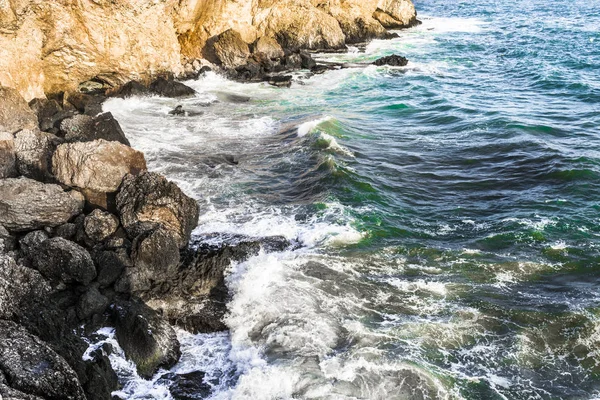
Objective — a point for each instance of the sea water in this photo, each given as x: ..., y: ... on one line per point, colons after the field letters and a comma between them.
x: 446, y: 213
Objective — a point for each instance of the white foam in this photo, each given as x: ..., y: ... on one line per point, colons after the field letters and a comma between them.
x: 309, y: 126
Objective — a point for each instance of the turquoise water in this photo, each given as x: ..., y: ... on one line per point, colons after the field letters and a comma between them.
x: 447, y: 213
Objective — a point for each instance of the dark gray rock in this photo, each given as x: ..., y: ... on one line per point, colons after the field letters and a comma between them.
x: 393, y: 60
x: 86, y: 128
x: 66, y: 231
x: 90, y: 303
x: 149, y: 200
x: 26, y: 204
x: 155, y: 256
x: 132, y: 88
x: 30, y: 366
x: 177, y: 111
x: 280, y: 80
x: 61, y: 260
x: 110, y: 266
x: 48, y: 111
x: 190, y: 386
x: 148, y: 340
x: 7, y: 241
x: 99, y: 225
x: 15, y: 113
x: 31, y: 242
x: 7, y: 393
x: 170, y: 88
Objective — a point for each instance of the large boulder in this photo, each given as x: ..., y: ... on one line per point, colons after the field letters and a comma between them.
x: 15, y: 113
x: 48, y: 112
x: 26, y: 204
x: 91, y: 303
x: 110, y: 266
x: 86, y: 128
x: 155, y: 256
x: 34, y: 150
x: 269, y: 47
x: 8, y: 159
x: 96, y: 167
x: 229, y: 49
x: 149, y: 200
x: 30, y: 243
x: 148, y: 340
x: 30, y: 366
x: 60, y: 260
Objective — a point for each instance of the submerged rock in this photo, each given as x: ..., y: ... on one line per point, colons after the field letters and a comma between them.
x: 30, y: 366
x: 149, y: 200
x: 15, y: 113
x: 280, y: 80
x: 147, y: 340
x: 393, y: 60
x: 190, y: 386
x: 177, y: 111
x: 60, y: 260
x: 27, y: 204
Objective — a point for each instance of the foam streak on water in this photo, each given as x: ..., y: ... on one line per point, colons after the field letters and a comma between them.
x: 444, y: 214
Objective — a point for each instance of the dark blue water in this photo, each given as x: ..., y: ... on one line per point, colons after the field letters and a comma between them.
x: 448, y: 213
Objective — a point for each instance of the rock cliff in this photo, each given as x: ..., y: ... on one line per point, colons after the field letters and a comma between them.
x: 48, y: 47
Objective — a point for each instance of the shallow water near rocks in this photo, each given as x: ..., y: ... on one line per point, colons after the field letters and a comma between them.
x: 448, y: 213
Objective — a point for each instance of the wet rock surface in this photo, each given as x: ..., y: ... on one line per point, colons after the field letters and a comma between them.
x: 393, y: 60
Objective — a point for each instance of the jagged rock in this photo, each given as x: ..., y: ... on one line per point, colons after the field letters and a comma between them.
x: 307, y: 61
x: 155, y: 256
x: 86, y: 103
x: 195, y: 297
x: 31, y: 242
x: 47, y: 111
x: 7, y: 393
x: 131, y: 88
x: 33, y: 368
x: 34, y: 150
x: 170, y: 88
x: 99, y: 225
x: 18, y: 285
x: 15, y: 113
x: 91, y: 302
x: 60, y: 260
x: 85, y: 128
x: 177, y: 111
x: 148, y: 340
x: 96, y: 167
x: 8, y: 158
x: 230, y: 50
x: 393, y: 60
x: 110, y: 266
x: 269, y: 47
x: 26, y: 204
x: 148, y: 200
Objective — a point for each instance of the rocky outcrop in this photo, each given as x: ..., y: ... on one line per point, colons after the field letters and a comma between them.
x: 50, y: 47
x: 26, y: 204
x: 61, y: 260
x: 146, y: 338
x: 149, y: 200
x: 96, y: 167
x: 85, y: 128
x: 33, y: 368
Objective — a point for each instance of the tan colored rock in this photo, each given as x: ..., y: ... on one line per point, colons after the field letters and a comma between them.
x: 269, y: 47
x: 15, y: 113
x: 98, y: 166
x: 395, y: 14
x: 229, y: 49
x: 34, y: 150
x: 26, y: 204
x: 8, y: 166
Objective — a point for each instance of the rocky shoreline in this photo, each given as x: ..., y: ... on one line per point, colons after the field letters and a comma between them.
x: 89, y: 238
